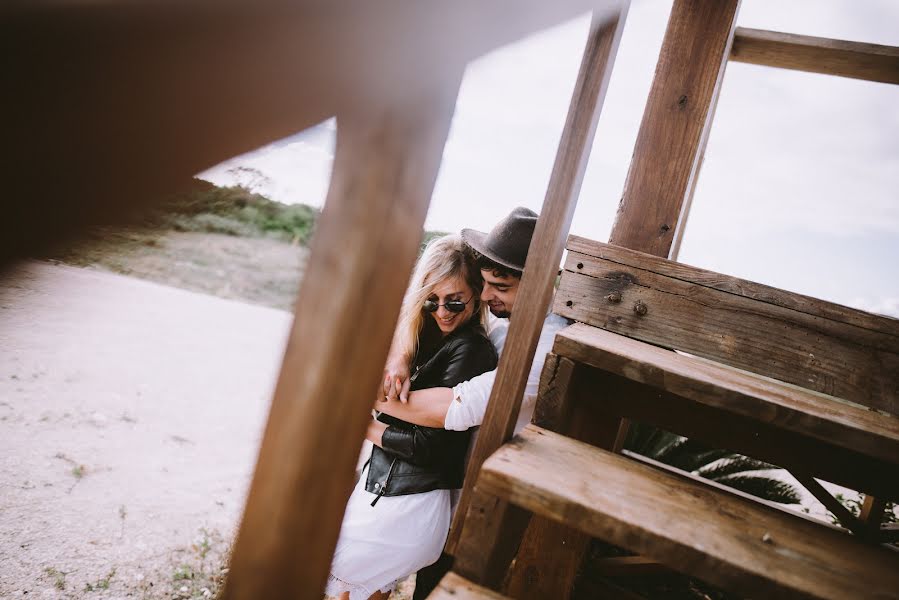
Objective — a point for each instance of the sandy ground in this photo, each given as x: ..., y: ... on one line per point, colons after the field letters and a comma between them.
x: 130, y: 416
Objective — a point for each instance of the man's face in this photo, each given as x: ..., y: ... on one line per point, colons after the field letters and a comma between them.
x: 499, y: 293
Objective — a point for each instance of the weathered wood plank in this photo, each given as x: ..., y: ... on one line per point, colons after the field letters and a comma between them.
x: 766, y: 400
x: 734, y: 285
x: 748, y: 435
x: 546, y: 247
x: 551, y: 553
x: 817, y: 353
x: 385, y: 167
x: 628, y: 566
x: 743, y: 546
x: 454, y: 587
x: 676, y: 120
x: 858, y: 60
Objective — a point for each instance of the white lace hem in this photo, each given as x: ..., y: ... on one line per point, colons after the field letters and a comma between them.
x: 337, y: 586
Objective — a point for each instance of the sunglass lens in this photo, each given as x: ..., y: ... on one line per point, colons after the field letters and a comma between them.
x: 455, y: 306
x: 430, y: 306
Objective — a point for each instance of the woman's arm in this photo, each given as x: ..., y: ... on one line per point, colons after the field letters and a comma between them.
x: 375, y: 432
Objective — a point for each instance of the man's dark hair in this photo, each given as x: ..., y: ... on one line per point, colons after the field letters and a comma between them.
x: 486, y: 264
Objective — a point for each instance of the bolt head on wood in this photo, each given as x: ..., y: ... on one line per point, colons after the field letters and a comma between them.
x: 640, y: 308
x: 614, y: 297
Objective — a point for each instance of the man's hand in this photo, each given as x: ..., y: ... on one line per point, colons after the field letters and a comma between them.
x: 396, y: 378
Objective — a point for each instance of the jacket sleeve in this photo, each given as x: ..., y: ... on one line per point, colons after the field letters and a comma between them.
x: 466, y: 360
x: 416, y: 445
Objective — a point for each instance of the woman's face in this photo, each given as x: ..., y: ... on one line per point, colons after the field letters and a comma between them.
x: 445, y: 291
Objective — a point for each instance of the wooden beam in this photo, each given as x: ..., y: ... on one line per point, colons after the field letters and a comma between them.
x: 551, y: 553
x: 846, y: 518
x: 453, y: 587
x: 730, y: 542
x: 547, y: 245
x: 809, y: 343
x: 628, y: 566
x: 385, y: 166
x: 675, y: 124
x: 858, y: 60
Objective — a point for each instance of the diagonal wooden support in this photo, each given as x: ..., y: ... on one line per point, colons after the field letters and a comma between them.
x: 385, y: 167
x: 546, y: 248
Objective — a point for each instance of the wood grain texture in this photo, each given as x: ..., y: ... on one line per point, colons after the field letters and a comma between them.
x: 676, y: 120
x: 385, y: 166
x: 730, y: 542
x: 748, y: 435
x: 858, y: 60
x: 805, y: 348
x: 766, y: 400
x: 455, y: 587
x: 491, y: 535
x: 734, y: 285
x: 551, y: 553
x: 156, y: 92
x: 545, y: 252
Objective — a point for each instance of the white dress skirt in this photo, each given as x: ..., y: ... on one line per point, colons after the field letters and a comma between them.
x: 382, y: 544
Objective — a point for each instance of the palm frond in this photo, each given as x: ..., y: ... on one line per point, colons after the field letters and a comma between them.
x: 733, y: 465
x: 763, y: 487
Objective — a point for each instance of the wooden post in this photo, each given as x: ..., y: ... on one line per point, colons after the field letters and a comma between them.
x: 546, y: 249
x: 368, y: 236
x: 675, y: 125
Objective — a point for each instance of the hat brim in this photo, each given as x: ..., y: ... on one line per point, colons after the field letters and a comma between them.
x: 478, y: 241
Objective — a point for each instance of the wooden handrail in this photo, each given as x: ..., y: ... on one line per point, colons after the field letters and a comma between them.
x: 546, y: 248
x: 857, y: 60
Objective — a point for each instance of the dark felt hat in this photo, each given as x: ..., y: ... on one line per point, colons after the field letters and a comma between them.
x: 507, y: 243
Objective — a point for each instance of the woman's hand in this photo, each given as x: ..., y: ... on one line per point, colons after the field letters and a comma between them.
x: 396, y: 378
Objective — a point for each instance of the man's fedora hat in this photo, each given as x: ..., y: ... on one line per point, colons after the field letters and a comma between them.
x: 507, y: 243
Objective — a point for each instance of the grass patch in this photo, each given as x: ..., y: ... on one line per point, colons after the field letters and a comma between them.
x: 100, y: 584
x: 58, y: 577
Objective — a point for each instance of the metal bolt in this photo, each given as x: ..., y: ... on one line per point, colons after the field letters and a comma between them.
x: 580, y: 265
x: 614, y: 297
x: 640, y: 308
x: 569, y: 303
x: 767, y: 538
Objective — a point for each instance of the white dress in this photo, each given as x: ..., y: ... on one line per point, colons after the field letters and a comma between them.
x: 389, y: 541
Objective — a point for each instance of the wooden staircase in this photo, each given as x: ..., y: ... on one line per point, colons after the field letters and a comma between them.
x: 540, y: 498
x: 807, y: 385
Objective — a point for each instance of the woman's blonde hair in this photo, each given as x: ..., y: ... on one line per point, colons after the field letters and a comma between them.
x: 443, y: 258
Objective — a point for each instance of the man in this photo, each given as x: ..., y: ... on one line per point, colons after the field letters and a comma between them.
x: 500, y: 255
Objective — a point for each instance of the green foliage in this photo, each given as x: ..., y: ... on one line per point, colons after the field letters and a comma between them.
x: 854, y: 505
x: 100, y: 584
x: 722, y: 466
x: 235, y: 211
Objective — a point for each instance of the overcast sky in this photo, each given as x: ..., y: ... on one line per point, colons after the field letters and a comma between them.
x: 800, y: 187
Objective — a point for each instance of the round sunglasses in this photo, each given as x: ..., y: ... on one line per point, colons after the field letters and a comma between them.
x: 455, y: 306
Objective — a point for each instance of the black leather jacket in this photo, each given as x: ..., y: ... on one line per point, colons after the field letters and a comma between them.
x: 415, y: 459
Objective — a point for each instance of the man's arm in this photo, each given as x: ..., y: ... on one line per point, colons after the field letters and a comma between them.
x: 424, y: 407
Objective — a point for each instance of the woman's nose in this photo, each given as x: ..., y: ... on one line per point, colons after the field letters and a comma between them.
x: 442, y: 312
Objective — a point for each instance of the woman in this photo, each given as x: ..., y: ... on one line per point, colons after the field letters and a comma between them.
x: 398, y: 515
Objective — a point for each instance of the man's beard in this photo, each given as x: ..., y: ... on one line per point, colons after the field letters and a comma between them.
x: 501, y: 313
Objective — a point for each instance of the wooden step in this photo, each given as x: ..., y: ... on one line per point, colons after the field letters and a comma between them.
x: 723, y: 539
x: 456, y: 587
x: 789, y: 407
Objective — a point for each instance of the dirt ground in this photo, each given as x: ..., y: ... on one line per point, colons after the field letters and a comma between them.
x: 130, y: 416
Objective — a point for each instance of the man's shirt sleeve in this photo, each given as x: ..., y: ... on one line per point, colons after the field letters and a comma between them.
x: 469, y: 403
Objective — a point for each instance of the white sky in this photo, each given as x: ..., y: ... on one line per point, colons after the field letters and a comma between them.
x: 800, y: 187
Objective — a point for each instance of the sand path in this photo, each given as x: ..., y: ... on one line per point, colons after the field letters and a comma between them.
x: 130, y: 416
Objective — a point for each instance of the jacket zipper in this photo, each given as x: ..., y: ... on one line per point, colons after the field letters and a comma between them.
x: 383, y: 489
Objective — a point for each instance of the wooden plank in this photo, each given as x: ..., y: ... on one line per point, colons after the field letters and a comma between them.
x: 823, y: 355
x: 551, y: 553
x: 765, y: 400
x: 752, y: 437
x: 491, y: 535
x: 373, y: 217
x: 676, y: 121
x: 628, y: 566
x: 546, y: 247
x: 858, y: 60
x: 733, y: 285
x: 846, y: 518
x: 730, y: 542
x: 455, y: 587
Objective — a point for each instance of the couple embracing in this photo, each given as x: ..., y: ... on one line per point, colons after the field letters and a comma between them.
x: 442, y: 363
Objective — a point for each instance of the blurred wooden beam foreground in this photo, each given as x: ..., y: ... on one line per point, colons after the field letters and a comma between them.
x: 115, y: 104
